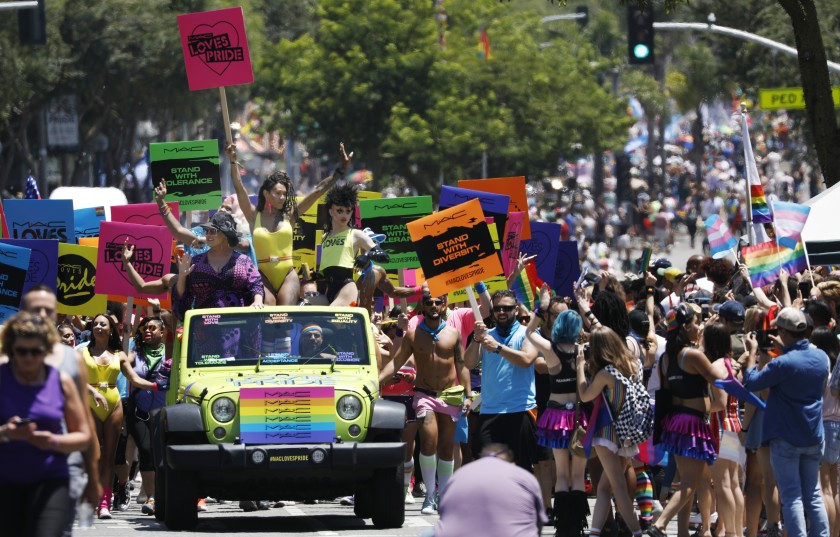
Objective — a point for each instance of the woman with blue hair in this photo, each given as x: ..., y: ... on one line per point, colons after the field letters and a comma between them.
x: 560, y: 419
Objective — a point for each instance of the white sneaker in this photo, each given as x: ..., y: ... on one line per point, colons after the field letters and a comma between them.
x: 656, y: 509
x: 409, y: 497
x: 429, y: 507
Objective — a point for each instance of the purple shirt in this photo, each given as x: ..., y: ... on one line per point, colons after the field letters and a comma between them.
x: 21, y: 462
x: 491, y: 497
x: 235, y: 284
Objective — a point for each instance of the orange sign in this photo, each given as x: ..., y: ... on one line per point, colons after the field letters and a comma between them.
x: 509, y: 186
x: 455, y: 248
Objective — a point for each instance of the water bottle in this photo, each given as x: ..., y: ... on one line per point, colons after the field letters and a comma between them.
x: 85, y: 514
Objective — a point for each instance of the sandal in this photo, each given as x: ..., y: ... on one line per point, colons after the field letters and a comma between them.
x: 653, y: 531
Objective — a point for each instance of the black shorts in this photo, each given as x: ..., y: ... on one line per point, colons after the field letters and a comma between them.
x: 408, y: 402
x: 516, y: 430
x: 337, y: 278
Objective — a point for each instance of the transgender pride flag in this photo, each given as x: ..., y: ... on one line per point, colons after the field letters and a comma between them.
x: 790, y: 220
x: 721, y: 240
x: 761, y: 213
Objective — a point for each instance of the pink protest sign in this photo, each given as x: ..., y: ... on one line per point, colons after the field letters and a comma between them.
x: 147, y: 214
x: 152, y: 249
x: 215, y: 48
x: 510, y: 243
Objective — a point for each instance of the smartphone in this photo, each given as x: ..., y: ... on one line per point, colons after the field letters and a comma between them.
x: 23, y: 421
x: 704, y: 312
x: 763, y: 338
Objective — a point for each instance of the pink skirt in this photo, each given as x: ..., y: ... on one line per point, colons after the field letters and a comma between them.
x: 688, y: 435
x: 556, y: 426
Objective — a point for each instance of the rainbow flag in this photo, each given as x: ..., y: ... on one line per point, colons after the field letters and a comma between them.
x: 790, y: 220
x: 793, y: 259
x: 721, y: 240
x: 484, y: 45
x: 526, y: 286
x: 762, y: 261
x: 761, y: 213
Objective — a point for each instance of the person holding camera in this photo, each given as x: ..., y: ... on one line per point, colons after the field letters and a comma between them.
x: 796, y: 380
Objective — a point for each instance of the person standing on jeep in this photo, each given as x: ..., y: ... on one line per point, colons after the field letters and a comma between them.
x: 440, y: 385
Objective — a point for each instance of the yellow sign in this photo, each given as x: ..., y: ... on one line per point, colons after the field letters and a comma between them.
x: 788, y: 98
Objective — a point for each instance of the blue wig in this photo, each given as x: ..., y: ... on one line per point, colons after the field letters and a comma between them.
x: 566, y: 327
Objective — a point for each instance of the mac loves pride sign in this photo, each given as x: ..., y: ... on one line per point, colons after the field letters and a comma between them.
x: 215, y: 48
x: 152, y: 250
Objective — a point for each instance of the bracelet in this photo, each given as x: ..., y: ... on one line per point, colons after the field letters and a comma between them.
x: 165, y: 210
x: 339, y: 173
x: 589, y: 314
x: 480, y: 287
x: 650, y: 290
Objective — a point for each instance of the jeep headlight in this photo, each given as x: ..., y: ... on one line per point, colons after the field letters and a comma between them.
x: 223, y: 409
x: 349, y: 407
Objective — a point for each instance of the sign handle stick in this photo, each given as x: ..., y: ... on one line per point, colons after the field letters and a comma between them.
x: 808, y: 262
x: 129, y: 307
x: 473, y: 302
x: 401, y: 281
x: 225, y: 115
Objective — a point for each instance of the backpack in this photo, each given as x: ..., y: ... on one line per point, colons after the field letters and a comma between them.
x: 634, y: 423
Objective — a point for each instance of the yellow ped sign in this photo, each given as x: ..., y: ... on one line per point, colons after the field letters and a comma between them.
x: 788, y: 98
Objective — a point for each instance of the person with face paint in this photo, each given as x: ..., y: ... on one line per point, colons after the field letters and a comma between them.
x: 272, y: 222
x: 508, y: 395
x: 439, y: 364
x: 339, y: 248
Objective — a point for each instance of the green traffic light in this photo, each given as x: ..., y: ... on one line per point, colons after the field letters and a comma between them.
x: 641, y: 51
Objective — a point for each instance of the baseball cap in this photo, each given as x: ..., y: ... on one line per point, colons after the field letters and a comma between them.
x: 660, y: 263
x: 731, y: 310
x: 671, y: 274
x: 791, y: 319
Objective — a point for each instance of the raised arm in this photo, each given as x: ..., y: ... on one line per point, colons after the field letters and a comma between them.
x: 154, y: 287
x: 327, y: 183
x: 248, y: 209
x: 542, y: 345
x: 181, y: 233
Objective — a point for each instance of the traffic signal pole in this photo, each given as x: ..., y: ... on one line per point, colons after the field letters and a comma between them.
x: 738, y: 34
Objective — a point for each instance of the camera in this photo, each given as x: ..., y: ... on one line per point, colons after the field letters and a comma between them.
x: 763, y: 338
x: 704, y: 311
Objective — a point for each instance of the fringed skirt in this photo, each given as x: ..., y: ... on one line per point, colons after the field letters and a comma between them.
x: 557, y: 425
x: 686, y: 432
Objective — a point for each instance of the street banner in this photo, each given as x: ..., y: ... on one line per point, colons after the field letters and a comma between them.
x: 40, y: 219
x: 455, y: 248
x: 545, y: 236
x: 287, y: 415
x: 43, y: 262
x: 215, y: 48
x: 86, y: 221
x: 509, y: 186
x: 14, y: 262
x: 151, y: 259
x: 77, y: 281
x: 191, y: 172
x: 305, y: 238
x: 494, y: 206
x: 567, y: 269
x: 390, y: 217
x: 510, y: 244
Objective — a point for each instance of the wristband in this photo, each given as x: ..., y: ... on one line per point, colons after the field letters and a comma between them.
x: 480, y: 287
x: 650, y: 290
x: 155, y: 387
x: 165, y: 212
x: 339, y: 173
x: 539, y: 312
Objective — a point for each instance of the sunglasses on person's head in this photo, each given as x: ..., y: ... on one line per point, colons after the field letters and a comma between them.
x: 506, y: 309
x: 29, y: 351
x: 433, y: 302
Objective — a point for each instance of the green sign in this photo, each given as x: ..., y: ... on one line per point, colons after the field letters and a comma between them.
x: 389, y: 216
x: 191, y: 172
x: 788, y: 98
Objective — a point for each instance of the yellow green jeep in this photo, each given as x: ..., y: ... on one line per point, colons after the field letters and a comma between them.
x: 278, y: 403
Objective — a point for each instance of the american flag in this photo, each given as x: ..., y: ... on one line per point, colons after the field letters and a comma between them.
x: 31, y: 192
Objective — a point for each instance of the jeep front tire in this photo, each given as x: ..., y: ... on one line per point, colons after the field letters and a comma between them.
x: 388, y: 510
x: 180, y: 497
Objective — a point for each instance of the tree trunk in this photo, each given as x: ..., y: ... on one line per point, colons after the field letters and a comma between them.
x: 699, y: 144
x: 816, y: 86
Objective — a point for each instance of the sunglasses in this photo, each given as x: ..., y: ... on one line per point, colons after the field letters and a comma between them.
x: 506, y: 309
x: 210, y: 231
x: 29, y: 351
x: 433, y: 302
x: 310, y: 294
x: 523, y: 319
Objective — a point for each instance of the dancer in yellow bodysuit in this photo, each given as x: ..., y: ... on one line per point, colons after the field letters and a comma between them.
x: 272, y: 221
x: 102, y: 358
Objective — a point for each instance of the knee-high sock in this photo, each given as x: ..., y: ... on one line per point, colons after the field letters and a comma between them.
x: 644, y: 493
x: 444, y: 472
x: 428, y: 464
x: 409, y: 469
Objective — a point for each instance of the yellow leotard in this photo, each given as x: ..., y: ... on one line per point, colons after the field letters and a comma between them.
x: 337, y: 250
x: 104, y: 379
x: 274, y: 251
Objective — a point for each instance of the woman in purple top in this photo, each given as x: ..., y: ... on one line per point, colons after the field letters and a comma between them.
x: 36, y: 402
x: 220, y: 277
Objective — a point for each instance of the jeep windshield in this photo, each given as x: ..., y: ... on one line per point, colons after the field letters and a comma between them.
x: 286, y: 338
